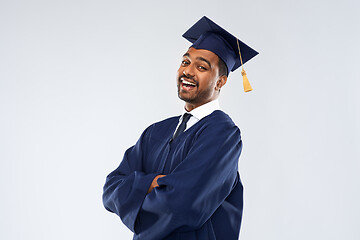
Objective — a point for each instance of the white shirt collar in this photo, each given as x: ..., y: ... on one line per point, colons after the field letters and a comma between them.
x: 199, y: 113
x: 204, y: 110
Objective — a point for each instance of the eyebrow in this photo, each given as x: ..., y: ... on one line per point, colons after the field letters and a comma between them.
x: 199, y: 58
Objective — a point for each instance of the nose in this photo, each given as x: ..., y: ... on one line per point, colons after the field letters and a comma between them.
x: 188, y: 71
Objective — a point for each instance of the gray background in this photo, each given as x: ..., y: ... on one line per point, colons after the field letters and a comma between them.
x: 80, y: 80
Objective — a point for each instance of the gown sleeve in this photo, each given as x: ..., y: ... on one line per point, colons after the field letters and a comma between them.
x: 126, y: 187
x: 187, y: 197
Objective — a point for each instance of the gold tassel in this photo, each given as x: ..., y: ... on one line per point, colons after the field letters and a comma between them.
x: 246, y: 83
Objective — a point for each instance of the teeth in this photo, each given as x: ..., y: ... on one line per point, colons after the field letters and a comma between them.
x: 188, y: 83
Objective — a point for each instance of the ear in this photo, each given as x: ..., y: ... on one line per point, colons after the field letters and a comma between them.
x: 220, y: 82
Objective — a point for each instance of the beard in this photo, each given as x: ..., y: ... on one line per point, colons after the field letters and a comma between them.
x: 195, y: 96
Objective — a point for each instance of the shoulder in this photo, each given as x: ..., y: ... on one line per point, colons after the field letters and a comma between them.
x: 219, y: 118
x: 162, y: 128
x: 218, y: 124
x: 167, y: 121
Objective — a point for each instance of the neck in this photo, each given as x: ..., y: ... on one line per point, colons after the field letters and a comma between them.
x: 191, y: 106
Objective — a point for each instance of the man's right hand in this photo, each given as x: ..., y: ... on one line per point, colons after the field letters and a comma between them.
x: 154, y: 183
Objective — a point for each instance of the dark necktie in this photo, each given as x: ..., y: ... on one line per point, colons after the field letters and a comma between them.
x: 182, y: 125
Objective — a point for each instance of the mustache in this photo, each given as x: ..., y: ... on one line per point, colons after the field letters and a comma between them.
x: 189, y: 78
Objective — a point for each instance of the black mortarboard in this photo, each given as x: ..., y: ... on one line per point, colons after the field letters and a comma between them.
x: 205, y: 34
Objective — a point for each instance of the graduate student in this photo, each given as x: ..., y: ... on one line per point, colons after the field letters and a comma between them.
x: 180, y: 181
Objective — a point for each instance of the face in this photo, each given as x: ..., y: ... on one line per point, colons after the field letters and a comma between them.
x: 198, y: 78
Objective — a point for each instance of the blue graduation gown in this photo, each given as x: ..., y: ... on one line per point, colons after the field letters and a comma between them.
x: 201, y: 196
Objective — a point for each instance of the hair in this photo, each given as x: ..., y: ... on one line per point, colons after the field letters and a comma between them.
x: 223, y: 68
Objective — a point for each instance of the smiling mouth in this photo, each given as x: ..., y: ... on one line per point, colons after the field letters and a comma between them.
x: 186, y: 84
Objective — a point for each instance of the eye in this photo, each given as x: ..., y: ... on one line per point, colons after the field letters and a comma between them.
x: 184, y: 62
x: 202, y: 68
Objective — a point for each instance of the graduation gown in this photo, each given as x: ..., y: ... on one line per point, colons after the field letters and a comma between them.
x: 201, y: 196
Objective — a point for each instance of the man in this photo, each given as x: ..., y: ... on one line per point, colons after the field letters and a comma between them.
x: 180, y: 180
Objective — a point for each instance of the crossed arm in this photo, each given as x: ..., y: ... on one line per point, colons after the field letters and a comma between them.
x: 165, y: 208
